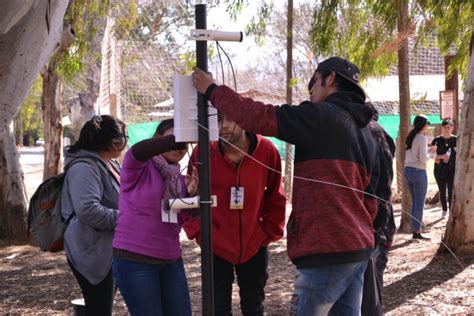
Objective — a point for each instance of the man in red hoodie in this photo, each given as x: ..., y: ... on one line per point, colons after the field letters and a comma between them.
x: 250, y: 214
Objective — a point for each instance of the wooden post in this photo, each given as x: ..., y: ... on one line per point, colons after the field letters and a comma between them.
x: 452, y: 83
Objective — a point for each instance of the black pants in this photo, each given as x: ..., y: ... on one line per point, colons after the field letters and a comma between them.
x: 98, y: 298
x: 251, y: 278
x: 372, y: 304
x: 445, y: 179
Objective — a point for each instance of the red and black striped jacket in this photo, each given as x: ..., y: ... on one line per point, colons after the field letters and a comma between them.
x: 336, y: 161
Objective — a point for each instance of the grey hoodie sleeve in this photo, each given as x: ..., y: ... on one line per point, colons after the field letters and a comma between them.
x: 86, y: 190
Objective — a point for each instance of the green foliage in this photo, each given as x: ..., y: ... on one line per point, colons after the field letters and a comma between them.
x: 355, y: 30
x: 235, y: 7
x: 31, y: 113
x: 126, y: 22
x: 85, y: 17
x: 294, y: 82
x: 156, y: 20
x: 189, y: 61
x: 258, y: 23
x: 453, y: 22
x: 257, y: 26
x: 359, y: 30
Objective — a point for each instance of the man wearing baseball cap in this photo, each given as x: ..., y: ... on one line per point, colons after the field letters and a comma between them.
x: 330, y: 234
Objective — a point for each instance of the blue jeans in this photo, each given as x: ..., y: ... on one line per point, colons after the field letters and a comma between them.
x: 153, y: 289
x: 417, y: 181
x: 333, y: 290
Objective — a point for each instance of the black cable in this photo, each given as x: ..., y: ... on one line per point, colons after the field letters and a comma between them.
x: 230, y: 63
x: 177, y: 185
x: 220, y: 59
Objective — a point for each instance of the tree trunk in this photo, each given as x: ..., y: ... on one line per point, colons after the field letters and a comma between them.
x: 27, y: 40
x: 13, y: 198
x: 289, y: 99
x: 18, y: 128
x: 53, y: 129
x: 404, y: 88
x: 460, y: 226
x: 452, y: 83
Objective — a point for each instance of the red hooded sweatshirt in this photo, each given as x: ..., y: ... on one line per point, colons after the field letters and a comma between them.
x: 238, y: 234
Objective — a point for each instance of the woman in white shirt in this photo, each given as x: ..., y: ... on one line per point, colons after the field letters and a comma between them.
x: 416, y: 157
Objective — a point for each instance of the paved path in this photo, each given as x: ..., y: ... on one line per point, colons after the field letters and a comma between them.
x: 31, y: 160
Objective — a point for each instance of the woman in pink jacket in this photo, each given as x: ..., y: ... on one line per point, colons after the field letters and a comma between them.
x: 147, y: 255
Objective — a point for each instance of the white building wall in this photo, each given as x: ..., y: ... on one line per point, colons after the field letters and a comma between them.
x: 386, y: 88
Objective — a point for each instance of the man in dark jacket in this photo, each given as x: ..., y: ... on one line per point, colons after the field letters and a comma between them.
x: 384, y: 223
x: 330, y: 233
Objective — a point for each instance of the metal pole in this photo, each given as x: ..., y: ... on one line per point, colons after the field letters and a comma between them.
x: 288, y: 179
x: 204, y: 175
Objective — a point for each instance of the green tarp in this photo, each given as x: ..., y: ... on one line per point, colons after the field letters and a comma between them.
x: 140, y: 131
x: 390, y: 123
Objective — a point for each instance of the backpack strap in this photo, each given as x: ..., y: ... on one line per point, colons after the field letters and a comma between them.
x: 90, y: 161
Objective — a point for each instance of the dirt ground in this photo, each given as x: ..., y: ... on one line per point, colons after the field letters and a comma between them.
x: 418, y: 280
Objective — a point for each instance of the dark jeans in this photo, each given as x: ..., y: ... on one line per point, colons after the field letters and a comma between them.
x: 251, y: 278
x: 99, y: 299
x: 445, y: 179
x: 153, y: 289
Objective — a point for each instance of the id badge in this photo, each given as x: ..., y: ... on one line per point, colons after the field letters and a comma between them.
x: 237, y: 198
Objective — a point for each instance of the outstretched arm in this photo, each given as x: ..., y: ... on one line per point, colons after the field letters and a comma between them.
x: 251, y: 115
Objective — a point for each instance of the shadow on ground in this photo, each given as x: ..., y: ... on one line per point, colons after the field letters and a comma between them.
x: 439, y: 270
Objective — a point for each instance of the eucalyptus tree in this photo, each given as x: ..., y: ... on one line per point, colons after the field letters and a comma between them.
x: 82, y: 20
x: 453, y: 21
x: 29, y: 33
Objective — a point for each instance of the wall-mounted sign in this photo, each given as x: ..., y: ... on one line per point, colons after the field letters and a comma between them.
x: 447, y: 101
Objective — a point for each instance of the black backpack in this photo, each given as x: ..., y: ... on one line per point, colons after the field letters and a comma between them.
x: 45, y: 221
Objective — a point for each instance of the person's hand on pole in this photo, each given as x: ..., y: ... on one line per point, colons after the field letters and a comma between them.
x: 201, y: 80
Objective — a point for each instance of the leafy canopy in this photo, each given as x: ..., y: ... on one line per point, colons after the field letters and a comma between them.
x: 85, y: 17
x: 366, y: 31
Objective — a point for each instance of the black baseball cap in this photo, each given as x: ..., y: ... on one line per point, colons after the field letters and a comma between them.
x: 345, y: 69
x: 447, y: 121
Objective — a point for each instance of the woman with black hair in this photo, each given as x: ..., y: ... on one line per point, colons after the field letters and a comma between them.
x: 416, y: 157
x: 147, y: 254
x: 445, y: 162
x: 89, y: 199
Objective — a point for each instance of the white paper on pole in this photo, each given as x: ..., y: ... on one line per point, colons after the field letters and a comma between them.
x: 185, y: 112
